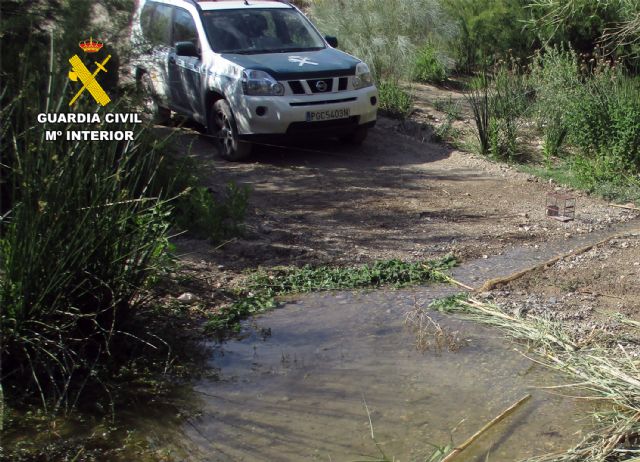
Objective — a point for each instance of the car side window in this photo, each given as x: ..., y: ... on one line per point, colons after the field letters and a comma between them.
x: 184, y: 27
x: 145, y: 19
x: 160, y: 28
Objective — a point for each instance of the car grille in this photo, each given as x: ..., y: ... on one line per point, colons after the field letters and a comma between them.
x: 315, y: 86
x: 328, y: 101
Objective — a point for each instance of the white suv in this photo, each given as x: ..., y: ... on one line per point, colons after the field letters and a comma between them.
x: 249, y: 69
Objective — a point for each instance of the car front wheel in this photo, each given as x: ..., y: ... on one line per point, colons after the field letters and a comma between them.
x: 224, y: 128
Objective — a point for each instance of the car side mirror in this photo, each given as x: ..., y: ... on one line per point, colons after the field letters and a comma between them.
x: 332, y: 41
x: 187, y: 49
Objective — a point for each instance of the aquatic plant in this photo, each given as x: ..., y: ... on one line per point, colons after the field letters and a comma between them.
x: 264, y: 286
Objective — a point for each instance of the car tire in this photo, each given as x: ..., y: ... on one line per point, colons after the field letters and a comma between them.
x: 357, y: 137
x: 223, y: 126
x: 151, y: 108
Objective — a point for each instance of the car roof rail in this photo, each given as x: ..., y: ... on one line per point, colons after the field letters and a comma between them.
x: 194, y: 3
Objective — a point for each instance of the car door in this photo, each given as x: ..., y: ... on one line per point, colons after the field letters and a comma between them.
x: 185, y: 71
x: 159, y: 37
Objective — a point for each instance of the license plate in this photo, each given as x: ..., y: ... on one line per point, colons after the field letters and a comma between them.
x: 329, y: 114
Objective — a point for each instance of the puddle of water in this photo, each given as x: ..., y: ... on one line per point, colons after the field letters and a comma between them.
x: 292, y: 388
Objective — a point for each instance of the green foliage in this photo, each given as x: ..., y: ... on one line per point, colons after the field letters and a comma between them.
x: 488, y: 29
x: 554, y: 78
x: 263, y: 286
x: 498, y: 107
x: 428, y: 67
x: 394, y: 101
x: 603, y: 122
x: 195, y: 208
x: 586, y: 25
x: 508, y: 105
x: 83, y: 225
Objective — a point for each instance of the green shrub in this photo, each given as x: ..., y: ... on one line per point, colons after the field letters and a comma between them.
x: 487, y: 30
x: 394, y: 100
x: 603, y: 119
x: 554, y: 79
x: 554, y: 133
x: 508, y: 106
x: 586, y: 25
x: 428, y: 66
x: 498, y: 107
x: 593, y: 107
x: 206, y: 216
x: 195, y: 209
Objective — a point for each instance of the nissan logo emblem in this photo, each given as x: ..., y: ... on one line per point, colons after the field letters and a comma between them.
x: 321, y: 85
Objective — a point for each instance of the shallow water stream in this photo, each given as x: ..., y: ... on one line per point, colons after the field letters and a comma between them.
x: 293, y: 387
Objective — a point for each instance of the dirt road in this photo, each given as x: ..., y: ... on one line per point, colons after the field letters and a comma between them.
x: 393, y: 197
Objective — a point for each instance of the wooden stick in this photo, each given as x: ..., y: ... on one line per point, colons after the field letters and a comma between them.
x: 450, y: 279
x: 628, y: 207
x: 460, y: 284
x: 456, y: 451
x: 493, y: 283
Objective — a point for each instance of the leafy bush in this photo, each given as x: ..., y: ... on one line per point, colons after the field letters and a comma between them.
x: 195, y: 208
x: 554, y: 79
x: 604, y: 118
x: 199, y: 212
x: 498, y: 107
x: 593, y: 106
x: 394, y: 101
x: 84, y: 228
x: 586, y: 25
x: 428, y: 66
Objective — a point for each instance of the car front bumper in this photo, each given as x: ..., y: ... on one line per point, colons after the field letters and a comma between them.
x: 280, y: 115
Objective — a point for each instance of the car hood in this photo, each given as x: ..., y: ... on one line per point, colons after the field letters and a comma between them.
x: 328, y: 62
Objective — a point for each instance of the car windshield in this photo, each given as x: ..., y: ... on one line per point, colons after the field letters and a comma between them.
x: 253, y: 31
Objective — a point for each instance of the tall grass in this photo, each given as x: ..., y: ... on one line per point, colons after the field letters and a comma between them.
x: 384, y: 33
x: 81, y: 232
x: 479, y: 97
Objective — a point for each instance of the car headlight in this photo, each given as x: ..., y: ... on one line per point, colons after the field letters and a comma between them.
x: 363, y: 77
x: 259, y: 83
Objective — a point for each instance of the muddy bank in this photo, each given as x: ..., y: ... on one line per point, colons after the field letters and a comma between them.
x: 594, y: 294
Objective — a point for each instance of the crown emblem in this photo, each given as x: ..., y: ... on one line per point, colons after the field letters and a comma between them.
x: 90, y: 46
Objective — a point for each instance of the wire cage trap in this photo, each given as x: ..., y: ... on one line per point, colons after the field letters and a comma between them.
x: 561, y: 206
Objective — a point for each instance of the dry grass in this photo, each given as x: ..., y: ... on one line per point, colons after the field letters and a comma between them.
x: 609, y: 374
x: 429, y: 334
